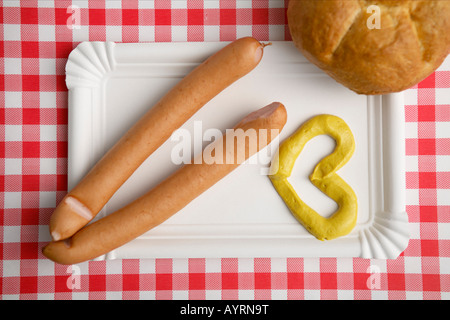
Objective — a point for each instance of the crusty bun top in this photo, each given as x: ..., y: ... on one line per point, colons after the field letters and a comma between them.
x: 372, y: 46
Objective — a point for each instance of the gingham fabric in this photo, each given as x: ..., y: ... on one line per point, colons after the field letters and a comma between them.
x: 36, y: 38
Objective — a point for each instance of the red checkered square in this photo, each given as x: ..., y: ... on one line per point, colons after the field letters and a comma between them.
x: 164, y: 281
x: 426, y: 113
x: 227, y: 17
x: 130, y: 17
x: 97, y: 17
x: 428, y: 213
x: 430, y: 248
x: 163, y: 17
x: 59, y: 84
x: 63, y: 49
x: 97, y: 282
x: 396, y: 281
x: 429, y: 82
x: 195, y: 17
x: 30, y: 82
x: 260, y: 16
x: 29, y: 250
x: 2, y: 189
x: 130, y: 282
x: 30, y: 116
x: 230, y: 281
x: 31, y: 149
x: 61, y: 182
x: 30, y: 183
x: 29, y: 15
x: 61, y: 283
x: 196, y: 281
x: 328, y: 281
x: 61, y: 147
x: 61, y: 16
x: 431, y: 282
x: 427, y: 180
x: 360, y: 281
x: 2, y: 116
x: 427, y: 146
x: 30, y: 49
x: 30, y: 217
x: 262, y: 280
x: 28, y: 285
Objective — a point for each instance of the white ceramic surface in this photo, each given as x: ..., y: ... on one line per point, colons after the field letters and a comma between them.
x: 112, y: 84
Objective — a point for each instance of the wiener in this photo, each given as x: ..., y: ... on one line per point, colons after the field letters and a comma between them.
x: 171, y: 195
x: 89, y: 196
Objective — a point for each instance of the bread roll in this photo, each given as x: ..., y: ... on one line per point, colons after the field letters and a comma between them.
x: 372, y: 47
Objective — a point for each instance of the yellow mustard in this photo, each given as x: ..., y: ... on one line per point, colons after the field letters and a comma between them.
x: 323, y: 177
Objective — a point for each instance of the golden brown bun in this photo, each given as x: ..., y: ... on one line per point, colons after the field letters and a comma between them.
x: 411, y: 42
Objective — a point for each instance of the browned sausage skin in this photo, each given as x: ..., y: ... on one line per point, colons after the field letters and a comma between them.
x: 181, y: 188
x: 89, y: 196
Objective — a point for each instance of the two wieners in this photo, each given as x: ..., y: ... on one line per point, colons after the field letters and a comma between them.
x: 75, y: 242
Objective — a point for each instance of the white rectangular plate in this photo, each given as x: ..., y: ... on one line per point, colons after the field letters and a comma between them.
x: 112, y: 84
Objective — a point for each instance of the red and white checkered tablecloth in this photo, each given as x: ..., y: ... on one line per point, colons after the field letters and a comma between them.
x: 36, y: 38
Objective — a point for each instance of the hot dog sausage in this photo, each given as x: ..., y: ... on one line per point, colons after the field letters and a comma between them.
x: 89, y: 196
x: 169, y: 196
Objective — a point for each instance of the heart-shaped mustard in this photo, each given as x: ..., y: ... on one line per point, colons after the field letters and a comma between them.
x: 323, y: 177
